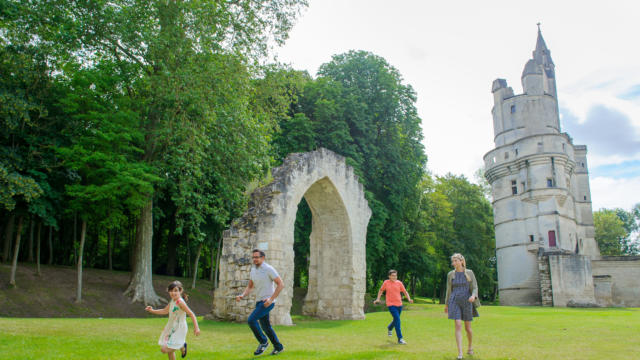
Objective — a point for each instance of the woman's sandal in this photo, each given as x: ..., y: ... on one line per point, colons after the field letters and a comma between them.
x: 184, y: 352
x: 459, y: 357
x: 470, y: 352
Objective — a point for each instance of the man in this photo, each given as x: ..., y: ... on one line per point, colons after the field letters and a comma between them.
x: 262, y: 278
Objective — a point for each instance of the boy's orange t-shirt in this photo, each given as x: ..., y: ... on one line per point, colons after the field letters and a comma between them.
x: 393, y: 290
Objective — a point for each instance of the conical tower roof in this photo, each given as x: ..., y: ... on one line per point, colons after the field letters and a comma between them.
x: 541, y: 60
x: 542, y: 55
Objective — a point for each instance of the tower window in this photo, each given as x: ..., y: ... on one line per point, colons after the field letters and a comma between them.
x: 513, y: 109
x: 549, y: 182
x: 506, y: 155
x: 524, y: 186
x: 531, y: 238
x: 514, y: 187
x: 582, y: 164
x: 563, y: 148
x: 516, y: 152
x: 585, y: 198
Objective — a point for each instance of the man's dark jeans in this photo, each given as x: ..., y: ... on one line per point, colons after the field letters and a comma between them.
x: 261, y: 314
x: 395, y: 312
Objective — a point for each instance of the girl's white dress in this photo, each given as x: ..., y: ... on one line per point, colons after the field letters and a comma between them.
x: 175, y: 332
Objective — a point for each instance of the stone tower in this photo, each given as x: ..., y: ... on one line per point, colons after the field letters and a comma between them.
x: 539, y: 181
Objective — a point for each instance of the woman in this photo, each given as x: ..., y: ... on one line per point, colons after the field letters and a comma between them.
x: 461, y: 300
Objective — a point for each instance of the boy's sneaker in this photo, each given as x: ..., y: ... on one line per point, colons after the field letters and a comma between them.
x: 389, y: 332
x: 277, y: 351
x: 402, y: 342
x: 261, y: 348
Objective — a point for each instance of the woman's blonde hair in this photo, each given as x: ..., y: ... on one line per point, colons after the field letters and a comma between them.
x: 464, y: 263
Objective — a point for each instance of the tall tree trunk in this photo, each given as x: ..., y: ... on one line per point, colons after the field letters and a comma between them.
x: 83, y: 234
x: 30, y: 247
x: 195, y: 265
x: 212, y: 254
x: 140, y: 285
x: 8, y: 237
x: 75, y: 236
x: 109, y: 251
x: 38, y: 249
x: 189, y: 272
x: 158, y: 233
x: 215, y: 277
x: 16, y: 250
x: 172, y: 249
x: 413, y: 286
x: 132, y: 241
x: 50, y: 245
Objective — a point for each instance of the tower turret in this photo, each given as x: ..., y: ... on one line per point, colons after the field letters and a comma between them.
x: 538, y: 76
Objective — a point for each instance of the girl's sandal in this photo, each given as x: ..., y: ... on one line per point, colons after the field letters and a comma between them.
x: 459, y: 357
x: 470, y: 352
x: 184, y: 351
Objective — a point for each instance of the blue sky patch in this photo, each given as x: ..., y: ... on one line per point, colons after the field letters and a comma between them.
x: 631, y: 93
x: 627, y: 169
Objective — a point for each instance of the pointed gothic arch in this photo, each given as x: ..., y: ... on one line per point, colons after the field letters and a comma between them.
x: 337, y: 268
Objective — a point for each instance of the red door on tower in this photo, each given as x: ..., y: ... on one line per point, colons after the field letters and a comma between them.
x: 552, y: 238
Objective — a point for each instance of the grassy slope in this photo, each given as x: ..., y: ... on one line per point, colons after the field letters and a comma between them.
x: 53, y: 293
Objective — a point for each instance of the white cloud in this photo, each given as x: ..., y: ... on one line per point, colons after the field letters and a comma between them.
x: 611, y: 193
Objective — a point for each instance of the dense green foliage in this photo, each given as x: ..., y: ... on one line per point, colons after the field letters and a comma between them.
x: 617, y: 231
x: 147, y: 121
x: 359, y: 107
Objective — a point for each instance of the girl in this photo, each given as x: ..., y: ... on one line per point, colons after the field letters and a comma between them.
x: 394, y: 288
x: 461, y: 300
x: 175, y: 332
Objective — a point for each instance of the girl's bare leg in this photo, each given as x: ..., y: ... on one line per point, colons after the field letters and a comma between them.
x: 467, y: 327
x: 170, y: 352
x: 459, y: 336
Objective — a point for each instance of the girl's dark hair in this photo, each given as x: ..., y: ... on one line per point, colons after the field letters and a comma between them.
x: 178, y: 284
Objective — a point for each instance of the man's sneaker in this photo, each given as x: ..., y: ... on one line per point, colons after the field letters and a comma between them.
x: 277, y: 351
x: 261, y: 348
x: 402, y: 342
x: 389, y: 332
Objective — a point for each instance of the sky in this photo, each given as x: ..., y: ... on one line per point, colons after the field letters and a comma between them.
x: 451, y: 51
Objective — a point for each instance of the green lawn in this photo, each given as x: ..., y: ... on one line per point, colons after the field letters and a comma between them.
x: 500, y: 333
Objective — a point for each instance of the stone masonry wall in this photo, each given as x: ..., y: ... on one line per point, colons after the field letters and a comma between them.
x: 338, y: 263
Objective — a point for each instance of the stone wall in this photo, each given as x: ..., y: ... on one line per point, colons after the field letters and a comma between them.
x: 337, y: 267
x: 624, y: 275
x: 571, y: 279
x: 546, y: 291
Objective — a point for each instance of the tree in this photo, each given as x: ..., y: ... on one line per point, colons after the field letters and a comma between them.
x: 29, y: 121
x: 167, y: 42
x: 473, y: 231
x: 359, y: 108
x: 613, y: 232
x: 109, y: 180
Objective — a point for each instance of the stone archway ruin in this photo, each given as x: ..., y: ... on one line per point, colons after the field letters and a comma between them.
x: 337, y: 266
